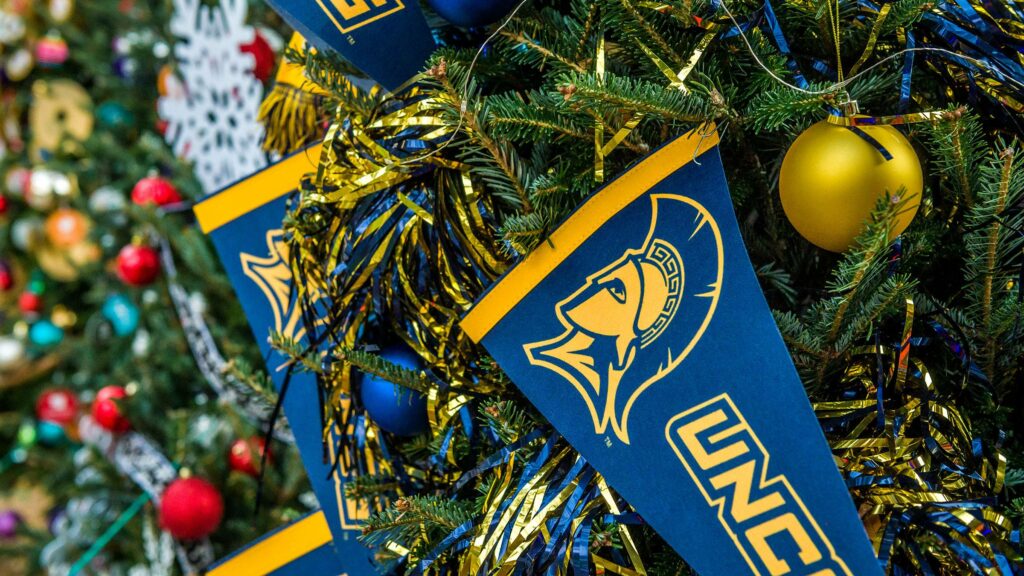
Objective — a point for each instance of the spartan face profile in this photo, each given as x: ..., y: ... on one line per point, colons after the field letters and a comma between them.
x: 634, y: 320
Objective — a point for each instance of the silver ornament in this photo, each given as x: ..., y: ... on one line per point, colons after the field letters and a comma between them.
x: 42, y: 189
x: 25, y: 231
x: 12, y: 27
x: 140, y: 345
x: 12, y: 352
x: 106, y: 199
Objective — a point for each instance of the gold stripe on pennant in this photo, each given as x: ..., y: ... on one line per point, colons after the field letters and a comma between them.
x: 261, y: 188
x: 522, y: 279
x: 278, y: 549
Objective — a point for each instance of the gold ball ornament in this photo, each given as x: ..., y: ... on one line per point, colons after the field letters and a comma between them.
x: 831, y: 179
x: 67, y: 264
x: 60, y: 114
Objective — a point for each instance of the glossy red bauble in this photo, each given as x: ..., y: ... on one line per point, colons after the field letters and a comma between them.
x: 106, y: 412
x: 4, y: 204
x: 138, y: 265
x: 6, y: 277
x: 57, y: 405
x: 191, y: 508
x: 245, y: 455
x: 30, y: 303
x: 155, y: 190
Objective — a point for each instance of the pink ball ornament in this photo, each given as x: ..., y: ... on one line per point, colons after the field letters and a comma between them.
x: 52, y: 50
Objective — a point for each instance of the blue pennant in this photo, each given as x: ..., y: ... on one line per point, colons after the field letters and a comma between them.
x: 640, y: 331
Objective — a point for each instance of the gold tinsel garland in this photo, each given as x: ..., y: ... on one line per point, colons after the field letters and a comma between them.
x: 392, y: 234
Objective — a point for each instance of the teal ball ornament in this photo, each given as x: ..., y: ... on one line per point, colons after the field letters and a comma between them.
x: 122, y: 314
x: 50, y: 433
x: 393, y: 408
x: 470, y: 13
x: 45, y: 334
x: 115, y: 116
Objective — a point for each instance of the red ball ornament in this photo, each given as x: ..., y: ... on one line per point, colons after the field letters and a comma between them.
x: 30, y: 303
x: 263, y: 54
x: 245, y: 455
x: 191, y: 508
x: 4, y: 204
x: 138, y: 265
x: 57, y: 405
x: 155, y: 190
x: 106, y: 412
x: 6, y: 277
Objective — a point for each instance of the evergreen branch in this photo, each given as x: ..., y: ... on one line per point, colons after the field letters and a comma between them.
x: 520, y: 39
x: 782, y: 108
x: 856, y: 275
x: 540, y: 115
x: 367, y: 487
x: 884, y: 300
x: 507, y: 419
x: 991, y: 261
x: 589, y: 24
x: 778, y: 279
x: 501, y: 155
x: 958, y: 150
x: 257, y: 381
x: 298, y: 354
x: 618, y: 96
x: 375, y: 365
x: 411, y: 517
x: 650, y: 32
x: 333, y: 73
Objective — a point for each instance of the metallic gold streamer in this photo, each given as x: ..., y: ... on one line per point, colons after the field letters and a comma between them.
x: 921, y: 482
x: 676, y: 80
x: 292, y: 110
x: 895, y: 120
x: 869, y: 48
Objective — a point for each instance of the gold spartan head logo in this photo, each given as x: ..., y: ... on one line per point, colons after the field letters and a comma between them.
x: 273, y: 276
x: 348, y: 15
x: 622, y: 326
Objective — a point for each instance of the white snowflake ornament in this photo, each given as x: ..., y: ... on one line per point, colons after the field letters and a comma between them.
x: 214, y: 123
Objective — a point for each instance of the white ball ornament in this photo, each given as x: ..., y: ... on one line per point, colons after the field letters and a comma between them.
x: 12, y: 352
x: 106, y: 199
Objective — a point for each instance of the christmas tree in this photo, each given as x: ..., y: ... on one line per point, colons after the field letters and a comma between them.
x: 869, y: 161
x: 896, y: 292
x: 130, y: 392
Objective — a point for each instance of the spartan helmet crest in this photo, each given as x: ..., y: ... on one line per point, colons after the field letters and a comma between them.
x: 633, y: 321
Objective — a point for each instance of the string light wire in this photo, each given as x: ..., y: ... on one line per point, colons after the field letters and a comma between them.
x: 831, y: 89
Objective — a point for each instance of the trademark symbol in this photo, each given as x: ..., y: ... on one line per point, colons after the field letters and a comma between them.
x: 608, y: 441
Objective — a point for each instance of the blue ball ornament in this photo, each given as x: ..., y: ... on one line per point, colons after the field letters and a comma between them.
x: 45, y: 334
x: 122, y: 313
x: 395, y: 409
x: 469, y: 13
x: 50, y: 433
